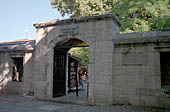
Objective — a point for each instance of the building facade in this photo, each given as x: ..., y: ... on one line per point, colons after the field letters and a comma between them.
x: 131, y: 69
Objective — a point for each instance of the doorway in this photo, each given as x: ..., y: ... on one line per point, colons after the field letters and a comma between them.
x: 66, y: 76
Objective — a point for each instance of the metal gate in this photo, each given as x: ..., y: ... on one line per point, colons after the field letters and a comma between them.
x: 59, y: 73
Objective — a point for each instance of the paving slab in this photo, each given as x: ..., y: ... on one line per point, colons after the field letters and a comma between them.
x: 29, y: 104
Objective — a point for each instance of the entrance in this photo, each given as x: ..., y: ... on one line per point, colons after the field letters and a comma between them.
x: 66, y: 71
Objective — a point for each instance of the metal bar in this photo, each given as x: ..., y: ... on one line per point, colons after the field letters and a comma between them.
x: 76, y: 65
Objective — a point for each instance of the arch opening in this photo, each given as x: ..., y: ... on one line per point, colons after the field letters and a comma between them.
x: 70, y: 71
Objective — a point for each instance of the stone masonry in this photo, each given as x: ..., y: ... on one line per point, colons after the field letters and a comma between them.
x: 97, y: 32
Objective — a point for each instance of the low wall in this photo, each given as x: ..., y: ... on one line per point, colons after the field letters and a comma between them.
x: 136, y: 69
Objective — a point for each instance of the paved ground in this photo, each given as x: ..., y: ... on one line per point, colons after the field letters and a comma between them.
x: 28, y: 104
x: 71, y: 97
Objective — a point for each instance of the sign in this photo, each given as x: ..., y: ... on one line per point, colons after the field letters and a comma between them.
x: 69, y: 31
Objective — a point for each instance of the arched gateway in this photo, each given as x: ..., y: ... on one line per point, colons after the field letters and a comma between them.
x: 96, y: 31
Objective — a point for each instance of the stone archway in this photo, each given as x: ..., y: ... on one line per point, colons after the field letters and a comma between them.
x: 98, y: 32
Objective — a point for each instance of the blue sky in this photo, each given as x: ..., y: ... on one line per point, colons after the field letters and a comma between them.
x: 18, y: 16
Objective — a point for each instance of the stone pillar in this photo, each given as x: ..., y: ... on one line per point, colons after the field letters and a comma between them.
x: 103, y: 56
x: 40, y: 68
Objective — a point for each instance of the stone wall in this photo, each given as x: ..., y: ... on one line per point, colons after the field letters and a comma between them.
x: 136, y: 68
x: 122, y: 69
x: 29, y: 74
x: 16, y: 49
x: 7, y: 86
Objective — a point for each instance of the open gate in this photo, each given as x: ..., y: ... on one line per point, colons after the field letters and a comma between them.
x: 59, y: 77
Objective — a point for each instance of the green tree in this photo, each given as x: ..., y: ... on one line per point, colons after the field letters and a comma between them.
x: 81, y: 53
x: 135, y: 15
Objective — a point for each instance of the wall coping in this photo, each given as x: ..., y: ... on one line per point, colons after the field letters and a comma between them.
x: 78, y: 20
x: 143, y: 38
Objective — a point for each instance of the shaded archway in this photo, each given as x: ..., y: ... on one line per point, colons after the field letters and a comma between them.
x: 62, y: 71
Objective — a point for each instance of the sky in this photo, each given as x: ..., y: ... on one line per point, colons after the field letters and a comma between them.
x: 18, y: 16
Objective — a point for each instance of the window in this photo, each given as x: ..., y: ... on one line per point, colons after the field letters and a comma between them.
x: 17, y: 69
x: 165, y: 71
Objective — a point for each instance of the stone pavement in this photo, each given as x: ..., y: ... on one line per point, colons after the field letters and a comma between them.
x: 29, y: 104
x: 72, y: 98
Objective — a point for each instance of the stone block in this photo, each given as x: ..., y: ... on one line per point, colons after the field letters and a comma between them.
x: 91, y: 93
x: 40, y: 89
x: 104, y: 46
x: 156, y: 82
x: 116, y: 90
x: 39, y: 67
x: 91, y: 57
x: 14, y: 88
x: 133, y: 59
x: 142, y: 100
x: 117, y: 78
x: 40, y: 51
x: 120, y: 99
x: 98, y: 34
x: 107, y: 34
x: 158, y: 101
x: 99, y: 24
x: 104, y: 24
x: 91, y: 73
x: 88, y: 30
x: 107, y: 79
x: 53, y: 32
x: 148, y: 92
x: 102, y: 100
x: 120, y: 84
x: 133, y: 100
x: 104, y: 57
x: 28, y: 85
x: 117, y: 59
x: 120, y: 90
x: 28, y: 75
x: 103, y: 69
x: 40, y: 35
x: 102, y: 89
x: 126, y: 72
x: 28, y: 58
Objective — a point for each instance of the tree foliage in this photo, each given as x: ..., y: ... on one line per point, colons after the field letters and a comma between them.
x: 135, y: 15
x: 81, y: 53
